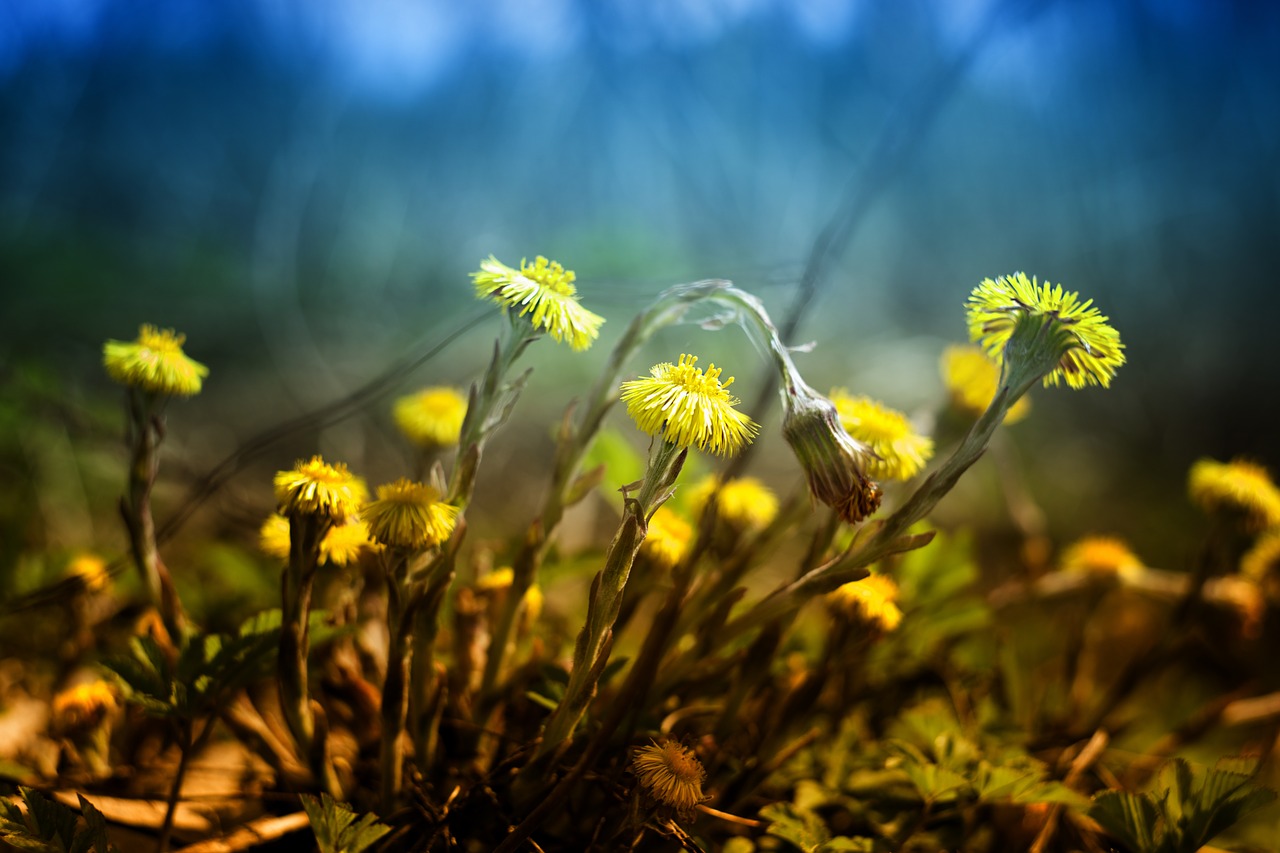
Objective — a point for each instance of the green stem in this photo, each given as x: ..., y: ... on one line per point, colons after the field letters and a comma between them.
x: 296, y: 581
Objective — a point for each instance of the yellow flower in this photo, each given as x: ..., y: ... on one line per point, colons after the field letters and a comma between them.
x: 687, y: 407
x: 972, y: 379
x: 84, y: 706
x: 1238, y: 486
x: 872, y: 599
x: 1090, y: 349
x: 533, y: 599
x: 409, y: 515
x: 743, y: 502
x: 1100, y: 556
x: 341, y: 544
x: 432, y: 417
x: 497, y: 579
x: 545, y: 290
x: 902, y: 453
x: 1263, y: 558
x: 670, y: 774
x: 315, y: 487
x: 155, y: 363
x: 667, y: 539
x: 92, y: 571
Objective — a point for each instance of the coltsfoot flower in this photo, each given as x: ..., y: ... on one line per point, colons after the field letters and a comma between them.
x: 687, y: 407
x: 872, y: 599
x: 432, y: 417
x: 671, y: 775
x: 544, y: 290
x: 901, y: 451
x: 315, y: 487
x: 1090, y: 350
x: 341, y: 545
x: 154, y: 363
x: 409, y: 515
x: 84, y: 706
x: 835, y: 463
x: 92, y: 571
x: 1100, y: 556
x: 743, y: 502
x: 972, y: 379
x: 667, y: 539
x: 1238, y: 486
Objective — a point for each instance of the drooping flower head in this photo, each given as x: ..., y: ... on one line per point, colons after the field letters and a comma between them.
x: 901, y: 451
x: 667, y: 539
x: 154, y: 363
x: 972, y: 379
x: 687, y: 407
x: 341, y: 545
x: 1238, y: 487
x: 742, y: 502
x: 670, y: 775
x: 432, y: 417
x: 1088, y: 350
x: 872, y: 600
x: 1100, y: 556
x: 545, y: 291
x: 409, y: 515
x: 835, y: 463
x: 84, y: 706
x: 317, y: 488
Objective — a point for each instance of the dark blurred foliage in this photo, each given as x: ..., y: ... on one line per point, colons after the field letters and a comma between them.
x: 302, y: 186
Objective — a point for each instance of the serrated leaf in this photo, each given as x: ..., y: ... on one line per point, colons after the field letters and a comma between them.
x: 802, y: 828
x: 337, y: 829
x: 1131, y: 818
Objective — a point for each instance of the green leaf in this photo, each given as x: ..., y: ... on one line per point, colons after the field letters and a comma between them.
x: 1132, y: 819
x: 1200, y: 812
x: 841, y: 842
x: 802, y: 828
x: 51, y: 827
x: 337, y: 828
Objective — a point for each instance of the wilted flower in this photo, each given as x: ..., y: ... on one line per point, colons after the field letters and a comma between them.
x: 84, y: 706
x: 545, y: 290
x: 432, y: 417
x: 872, y: 599
x: 834, y: 462
x: 972, y: 379
x: 409, y: 515
x: 900, y: 450
x: 155, y: 363
x: 92, y: 571
x: 688, y: 408
x: 1100, y: 556
x: 671, y: 775
x: 742, y: 502
x: 1238, y: 486
x: 667, y: 539
x: 1089, y: 350
x: 317, y: 488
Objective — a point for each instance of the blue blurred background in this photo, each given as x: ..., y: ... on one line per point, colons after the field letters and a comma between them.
x: 302, y: 186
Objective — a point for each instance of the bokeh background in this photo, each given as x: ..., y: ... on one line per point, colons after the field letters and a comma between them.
x: 302, y: 187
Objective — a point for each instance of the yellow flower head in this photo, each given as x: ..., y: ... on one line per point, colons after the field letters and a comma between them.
x: 543, y: 289
x: 1090, y: 349
x: 1238, y: 486
x: 667, y: 539
x: 155, y: 363
x: 432, y: 417
x: 872, y: 600
x: 1263, y: 558
x: 533, y: 600
x: 496, y: 580
x: 688, y: 407
x: 670, y: 774
x: 1100, y: 556
x: 743, y: 502
x: 92, y: 571
x: 972, y: 378
x: 409, y: 515
x: 887, y: 432
x: 835, y: 463
x: 342, y: 544
x: 84, y: 706
x: 315, y: 487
